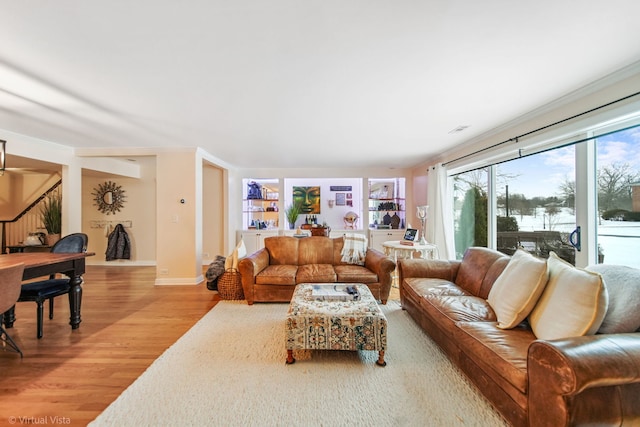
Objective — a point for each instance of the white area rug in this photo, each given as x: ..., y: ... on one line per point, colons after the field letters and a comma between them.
x: 230, y: 370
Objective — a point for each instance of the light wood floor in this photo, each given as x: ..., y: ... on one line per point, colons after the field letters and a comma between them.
x: 127, y: 322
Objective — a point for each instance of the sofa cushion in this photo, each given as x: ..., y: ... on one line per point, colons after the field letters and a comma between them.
x: 338, y: 244
x: 493, y: 273
x: 623, y: 287
x: 573, y: 303
x: 316, y: 273
x: 475, y: 264
x: 354, y: 274
x: 502, y: 352
x: 277, y: 275
x: 448, y: 289
x: 459, y: 308
x: 283, y: 250
x: 516, y: 291
x: 315, y: 250
x: 422, y: 287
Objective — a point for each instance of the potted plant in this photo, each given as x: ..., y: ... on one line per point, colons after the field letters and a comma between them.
x: 292, y: 213
x: 51, y: 215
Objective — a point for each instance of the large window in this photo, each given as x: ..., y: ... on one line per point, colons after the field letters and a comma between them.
x: 618, y: 196
x: 536, y: 204
x: 539, y: 202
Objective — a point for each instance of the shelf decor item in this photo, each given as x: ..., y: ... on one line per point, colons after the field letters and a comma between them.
x: 254, y: 190
x: 350, y: 220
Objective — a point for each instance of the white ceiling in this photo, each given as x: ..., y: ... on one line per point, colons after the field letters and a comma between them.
x: 298, y: 83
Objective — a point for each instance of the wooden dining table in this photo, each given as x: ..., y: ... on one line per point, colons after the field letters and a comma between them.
x: 39, y: 264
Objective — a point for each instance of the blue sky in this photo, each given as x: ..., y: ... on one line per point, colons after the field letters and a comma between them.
x: 542, y: 174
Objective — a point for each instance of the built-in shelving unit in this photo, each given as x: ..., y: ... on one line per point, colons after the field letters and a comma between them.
x: 378, y: 203
x: 260, y: 204
x: 387, y: 211
x: 387, y: 203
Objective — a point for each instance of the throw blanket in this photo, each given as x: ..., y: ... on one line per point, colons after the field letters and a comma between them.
x: 354, y: 249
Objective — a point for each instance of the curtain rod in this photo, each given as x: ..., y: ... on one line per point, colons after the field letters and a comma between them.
x: 542, y: 128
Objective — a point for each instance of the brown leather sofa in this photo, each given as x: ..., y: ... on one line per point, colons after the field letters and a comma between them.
x: 592, y: 379
x: 271, y: 273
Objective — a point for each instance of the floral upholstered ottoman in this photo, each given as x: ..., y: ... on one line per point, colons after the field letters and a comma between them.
x: 326, y: 324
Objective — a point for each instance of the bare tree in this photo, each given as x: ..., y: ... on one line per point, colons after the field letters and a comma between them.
x: 567, y: 191
x: 614, y: 186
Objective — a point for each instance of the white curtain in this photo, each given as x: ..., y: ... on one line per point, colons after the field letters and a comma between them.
x: 440, y: 219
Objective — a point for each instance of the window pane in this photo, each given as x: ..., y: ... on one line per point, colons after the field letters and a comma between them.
x: 618, y: 186
x: 536, y: 204
x: 470, y: 206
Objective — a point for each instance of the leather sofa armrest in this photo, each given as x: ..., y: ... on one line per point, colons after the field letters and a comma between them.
x: 428, y: 268
x: 249, y: 268
x: 560, y: 370
x: 382, y: 266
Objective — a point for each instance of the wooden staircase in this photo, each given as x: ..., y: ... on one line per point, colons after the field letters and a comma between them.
x: 16, y: 230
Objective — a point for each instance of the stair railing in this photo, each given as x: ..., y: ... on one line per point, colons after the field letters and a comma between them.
x: 25, y: 215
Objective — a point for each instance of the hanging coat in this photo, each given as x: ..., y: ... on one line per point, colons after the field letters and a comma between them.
x: 118, y: 244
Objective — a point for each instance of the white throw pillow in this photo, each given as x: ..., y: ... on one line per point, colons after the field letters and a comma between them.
x: 516, y: 291
x: 623, y: 287
x: 573, y: 303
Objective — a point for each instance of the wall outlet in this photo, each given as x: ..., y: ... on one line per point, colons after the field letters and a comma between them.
x: 164, y: 271
x: 205, y: 255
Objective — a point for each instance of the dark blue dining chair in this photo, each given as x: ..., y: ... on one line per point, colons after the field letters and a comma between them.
x: 53, y: 287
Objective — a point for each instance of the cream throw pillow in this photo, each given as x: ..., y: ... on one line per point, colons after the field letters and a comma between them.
x: 516, y: 291
x: 573, y: 303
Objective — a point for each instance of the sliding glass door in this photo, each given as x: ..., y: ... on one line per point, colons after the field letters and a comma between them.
x: 535, y: 204
x: 584, y: 196
x: 618, y: 197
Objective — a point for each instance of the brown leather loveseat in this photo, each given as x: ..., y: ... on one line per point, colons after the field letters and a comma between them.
x: 271, y: 273
x: 592, y: 379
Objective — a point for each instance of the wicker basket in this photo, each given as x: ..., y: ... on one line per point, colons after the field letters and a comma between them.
x: 230, y: 285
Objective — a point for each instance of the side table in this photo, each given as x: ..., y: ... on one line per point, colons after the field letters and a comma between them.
x: 395, y: 248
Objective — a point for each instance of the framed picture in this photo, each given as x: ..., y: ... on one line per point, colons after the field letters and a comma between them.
x: 340, y: 199
x: 349, y: 196
x: 308, y: 198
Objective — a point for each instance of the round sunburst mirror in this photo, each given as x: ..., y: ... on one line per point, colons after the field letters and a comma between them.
x: 109, y: 197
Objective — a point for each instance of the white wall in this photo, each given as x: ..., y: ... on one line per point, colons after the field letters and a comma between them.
x: 213, y: 213
x: 138, y: 210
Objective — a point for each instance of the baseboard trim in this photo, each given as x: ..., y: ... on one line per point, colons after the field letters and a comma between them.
x: 122, y: 263
x: 182, y: 281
